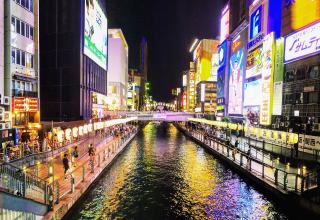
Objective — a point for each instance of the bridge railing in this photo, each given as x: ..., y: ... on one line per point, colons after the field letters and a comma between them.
x: 260, y: 165
x: 19, y: 182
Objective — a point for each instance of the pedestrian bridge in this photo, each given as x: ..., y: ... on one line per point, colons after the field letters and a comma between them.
x: 160, y: 116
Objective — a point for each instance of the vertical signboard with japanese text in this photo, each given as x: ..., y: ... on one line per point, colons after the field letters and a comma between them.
x: 278, y: 78
x: 267, y: 80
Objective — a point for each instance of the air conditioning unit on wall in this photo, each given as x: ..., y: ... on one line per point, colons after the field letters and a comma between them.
x: 6, y: 100
x: 2, y: 126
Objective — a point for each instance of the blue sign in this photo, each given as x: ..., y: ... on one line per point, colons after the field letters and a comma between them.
x: 255, y: 41
x: 256, y: 22
x: 222, y: 54
x: 220, y: 83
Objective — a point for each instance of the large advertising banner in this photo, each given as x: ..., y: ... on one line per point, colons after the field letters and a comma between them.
x: 267, y: 80
x: 236, y: 82
x: 252, y: 93
x: 254, y: 63
x: 302, y: 43
x: 95, y: 33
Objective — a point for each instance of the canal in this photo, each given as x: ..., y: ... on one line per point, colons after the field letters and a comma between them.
x: 163, y: 175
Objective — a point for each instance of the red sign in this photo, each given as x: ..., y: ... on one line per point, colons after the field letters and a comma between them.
x: 21, y: 104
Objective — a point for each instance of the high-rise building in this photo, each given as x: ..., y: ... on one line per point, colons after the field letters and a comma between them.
x: 19, y: 66
x: 144, y: 58
x: 1, y: 51
x: 134, y: 88
x: 74, y: 58
x: 118, y: 70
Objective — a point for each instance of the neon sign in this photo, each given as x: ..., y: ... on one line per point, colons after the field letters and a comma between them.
x: 302, y: 43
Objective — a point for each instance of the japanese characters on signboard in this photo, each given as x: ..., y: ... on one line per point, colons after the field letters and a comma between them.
x: 257, y: 23
x: 267, y: 80
x: 302, y: 43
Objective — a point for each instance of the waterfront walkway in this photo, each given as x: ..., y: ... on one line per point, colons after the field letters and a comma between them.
x: 276, y: 174
x: 66, y: 192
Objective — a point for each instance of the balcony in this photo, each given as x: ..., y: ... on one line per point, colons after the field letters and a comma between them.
x: 21, y: 93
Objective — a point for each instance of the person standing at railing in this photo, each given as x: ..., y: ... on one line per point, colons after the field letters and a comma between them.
x: 66, y: 166
x: 75, y: 155
x: 91, y: 153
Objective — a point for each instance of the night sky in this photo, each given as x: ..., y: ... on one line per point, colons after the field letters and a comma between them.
x: 169, y: 26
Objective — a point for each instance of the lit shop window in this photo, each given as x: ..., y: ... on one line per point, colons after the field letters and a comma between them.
x: 21, y: 28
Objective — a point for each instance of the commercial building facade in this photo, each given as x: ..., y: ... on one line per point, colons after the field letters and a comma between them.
x: 134, y: 90
x: 118, y: 71
x: 301, y: 76
x: 19, y: 70
x: 74, y: 58
x: 205, y: 57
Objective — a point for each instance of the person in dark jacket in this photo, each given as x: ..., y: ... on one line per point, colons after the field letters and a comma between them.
x: 65, y: 162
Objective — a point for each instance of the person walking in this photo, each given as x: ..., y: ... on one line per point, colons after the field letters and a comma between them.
x: 91, y: 153
x: 66, y: 166
x: 75, y: 155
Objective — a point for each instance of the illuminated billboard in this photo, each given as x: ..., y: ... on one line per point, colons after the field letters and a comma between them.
x: 254, y: 63
x: 236, y: 82
x: 222, y: 51
x: 220, y: 86
x: 278, y: 78
x: 256, y: 22
x: 302, y: 43
x: 95, y: 33
x: 303, y: 12
x: 267, y: 80
x: 225, y: 23
x: 252, y: 93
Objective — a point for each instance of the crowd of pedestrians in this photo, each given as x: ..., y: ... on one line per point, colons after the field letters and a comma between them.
x: 69, y: 160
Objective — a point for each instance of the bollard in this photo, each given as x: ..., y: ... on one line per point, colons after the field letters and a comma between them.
x: 58, y: 193
x: 72, y: 183
x: 285, y: 178
x: 98, y: 160
x: 262, y: 170
x: 276, y: 177
x: 83, y: 172
x: 241, y: 162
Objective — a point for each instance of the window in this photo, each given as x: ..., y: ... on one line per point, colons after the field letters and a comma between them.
x: 313, y: 97
x: 289, y: 76
x: 31, y: 33
x: 13, y: 24
x: 18, y: 26
x: 301, y: 75
x: 27, y: 31
x: 23, y: 28
x: 31, y: 61
x: 18, y: 57
x: 31, y: 5
x: 27, y: 5
x: 23, y: 58
x: 314, y: 72
x: 13, y: 56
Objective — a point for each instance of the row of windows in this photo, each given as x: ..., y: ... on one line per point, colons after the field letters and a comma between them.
x: 27, y: 4
x: 21, y: 27
x: 302, y: 74
x: 22, y: 58
x: 23, y: 86
x: 301, y: 98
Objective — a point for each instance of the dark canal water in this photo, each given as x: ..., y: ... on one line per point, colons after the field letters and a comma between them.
x: 163, y: 175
